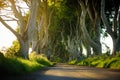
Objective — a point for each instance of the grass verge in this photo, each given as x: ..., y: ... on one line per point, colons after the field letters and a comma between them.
x: 16, y: 65
x: 99, y: 61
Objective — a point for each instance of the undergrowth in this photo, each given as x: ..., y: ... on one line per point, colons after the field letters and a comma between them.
x: 102, y: 61
x: 16, y: 65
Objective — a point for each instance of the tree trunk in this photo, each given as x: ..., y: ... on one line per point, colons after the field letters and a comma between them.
x: 117, y: 46
x: 88, y: 51
x: 97, y: 36
x: 113, y: 32
x: 23, y: 36
x: 93, y: 9
x: 24, y: 48
x: 32, y: 26
x: 116, y: 42
x: 85, y: 35
x: 22, y: 40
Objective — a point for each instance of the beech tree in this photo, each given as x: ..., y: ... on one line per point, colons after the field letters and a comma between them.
x: 88, y: 7
x: 33, y: 31
x: 110, y: 11
x: 24, y: 26
x: 63, y: 27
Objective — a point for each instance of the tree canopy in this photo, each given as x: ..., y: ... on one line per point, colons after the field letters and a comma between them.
x: 63, y: 28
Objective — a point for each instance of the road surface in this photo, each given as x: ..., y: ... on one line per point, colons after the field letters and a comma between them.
x: 69, y: 72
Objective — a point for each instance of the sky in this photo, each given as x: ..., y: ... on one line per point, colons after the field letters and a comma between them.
x: 7, y: 37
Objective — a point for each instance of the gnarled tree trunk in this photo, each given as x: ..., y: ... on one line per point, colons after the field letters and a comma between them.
x: 85, y: 35
x: 114, y: 31
x: 32, y: 26
x: 22, y: 40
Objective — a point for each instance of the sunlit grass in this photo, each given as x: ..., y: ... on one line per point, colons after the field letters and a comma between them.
x: 16, y: 65
x: 30, y: 65
x: 19, y: 65
x: 100, y: 61
x: 72, y: 62
x: 40, y: 58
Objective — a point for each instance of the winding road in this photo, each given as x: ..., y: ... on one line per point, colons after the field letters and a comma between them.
x: 69, y: 72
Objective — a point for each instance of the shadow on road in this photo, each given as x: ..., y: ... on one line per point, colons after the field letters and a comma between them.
x: 67, y: 72
x: 39, y: 77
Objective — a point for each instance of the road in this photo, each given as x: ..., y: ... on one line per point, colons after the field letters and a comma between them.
x: 69, y: 72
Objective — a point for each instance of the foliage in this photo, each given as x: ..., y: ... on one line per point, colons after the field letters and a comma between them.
x: 16, y: 65
x: 72, y: 62
x: 13, y: 50
x: 57, y: 60
x: 40, y: 58
x: 118, y: 54
x: 115, y: 65
x: 100, y: 61
x: 30, y: 65
x: 1, y: 58
x: 63, y: 21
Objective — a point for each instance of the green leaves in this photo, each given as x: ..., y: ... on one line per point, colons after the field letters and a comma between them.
x: 102, y: 62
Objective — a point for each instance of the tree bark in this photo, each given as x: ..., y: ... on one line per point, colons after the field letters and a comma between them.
x: 85, y: 34
x: 24, y: 48
x: 117, y: 47
x: 18, y: 15
x: 22, y: 40
x: 112, y: 32
x: 32, y: 26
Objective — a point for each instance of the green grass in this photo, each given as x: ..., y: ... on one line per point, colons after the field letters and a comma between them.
x: 100, y: 61
x: 72, y: 62
x: 19, y: 66
x: 16, y: 65
x: 40, y: 58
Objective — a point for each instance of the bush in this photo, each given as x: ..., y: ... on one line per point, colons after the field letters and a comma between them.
x: 102, y: 61
x: 118, y: 54
x: 57, y: 60
x: 17, y: 65
x: 40, y: 58
x: 115, y: 65
x: 72, y: 62
x: 83, y: 63
x: 101, y: 64
x: 12, y: 66
x: 95, y: 63
x: 13, y: 50
x: 1, y: 59
x: 30, y: 66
